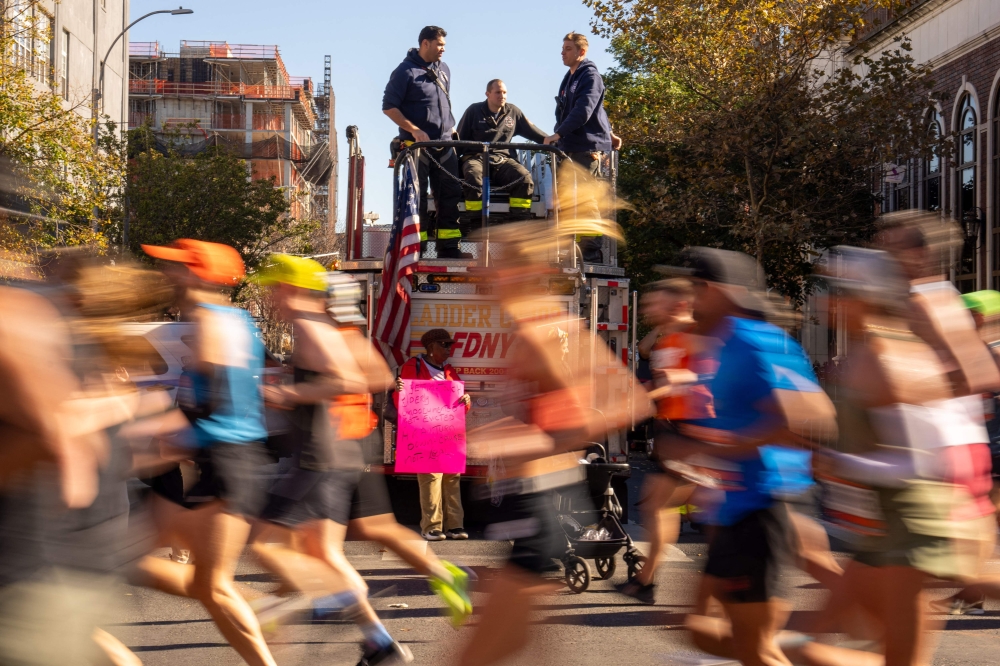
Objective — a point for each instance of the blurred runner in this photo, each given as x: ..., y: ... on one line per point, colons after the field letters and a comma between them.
x: 921, y: 243
x: 314, y: 499
x: 884, y: 486
x: 764, y: 394
x: 63, y: 517
x: 534, y: 457
x: 372, y: 518
x: 677, y: 357
x: 226, y: 417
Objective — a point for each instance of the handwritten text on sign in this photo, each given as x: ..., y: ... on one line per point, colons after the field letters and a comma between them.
x: 431, y: 435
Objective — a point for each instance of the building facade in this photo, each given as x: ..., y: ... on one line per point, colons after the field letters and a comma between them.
x: 65, y: 53
x: 960, y: 41
x: 241, y: 97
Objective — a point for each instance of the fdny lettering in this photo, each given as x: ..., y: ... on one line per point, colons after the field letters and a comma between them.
x: 477, y: 345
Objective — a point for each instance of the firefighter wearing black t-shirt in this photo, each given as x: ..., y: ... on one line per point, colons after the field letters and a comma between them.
x: 496, y: 121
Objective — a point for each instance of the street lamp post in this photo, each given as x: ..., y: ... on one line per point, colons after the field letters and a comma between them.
x: 99, y: 90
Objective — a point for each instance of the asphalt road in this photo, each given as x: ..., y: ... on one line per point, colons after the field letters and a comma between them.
x: 596, y: 627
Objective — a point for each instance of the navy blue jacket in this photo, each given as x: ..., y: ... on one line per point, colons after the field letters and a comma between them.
x: 581, y: 122
x: 412, y: 90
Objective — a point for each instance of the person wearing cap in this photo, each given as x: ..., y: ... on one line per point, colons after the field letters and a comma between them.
x: 760, y: 371
x: 679, y: 360
x: 314, y: 498
x: 226, y: 416
x: 440, y: 494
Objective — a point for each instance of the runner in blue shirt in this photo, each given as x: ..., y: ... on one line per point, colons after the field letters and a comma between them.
x: 761, y: 372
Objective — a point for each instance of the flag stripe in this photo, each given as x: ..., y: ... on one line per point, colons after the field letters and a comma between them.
x: 392, y: 315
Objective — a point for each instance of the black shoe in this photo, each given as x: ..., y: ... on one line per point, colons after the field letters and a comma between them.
x: 393, y: 653
x: 433, y: 535
x: 452, y: 253
x: 642, y: 593
x: 457, y: 533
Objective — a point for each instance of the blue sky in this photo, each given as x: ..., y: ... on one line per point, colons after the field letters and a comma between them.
x: 516, y: 40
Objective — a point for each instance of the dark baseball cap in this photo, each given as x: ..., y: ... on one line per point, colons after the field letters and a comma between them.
x: 435, y: 335
x: 739, y: 275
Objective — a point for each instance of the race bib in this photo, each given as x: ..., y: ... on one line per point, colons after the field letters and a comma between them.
x: 852, y: 506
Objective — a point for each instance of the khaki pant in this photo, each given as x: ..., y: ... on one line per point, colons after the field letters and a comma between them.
x: 440, y: 499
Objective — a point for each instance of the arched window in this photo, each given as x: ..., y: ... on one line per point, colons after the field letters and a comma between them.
x: 994, y: 234
x: 966, y: 157
x: 966, y: 200
x: 932, y: 167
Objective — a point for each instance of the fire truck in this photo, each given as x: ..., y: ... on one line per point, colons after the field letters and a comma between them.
x: 451, y: 294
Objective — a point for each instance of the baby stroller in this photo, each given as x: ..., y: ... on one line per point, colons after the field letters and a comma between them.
x: 597, y: 535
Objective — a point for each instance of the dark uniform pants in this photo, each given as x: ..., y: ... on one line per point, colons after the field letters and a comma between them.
x: 447, y: 194
x: 590, y: 246
x: 502, y: 173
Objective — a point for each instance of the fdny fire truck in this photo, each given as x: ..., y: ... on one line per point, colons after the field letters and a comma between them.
x: 451, y: 294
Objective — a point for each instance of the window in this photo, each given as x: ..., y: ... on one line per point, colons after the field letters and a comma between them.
x: 32, y: 39
x: 43, y: 48
x: 932, y: 168
x: 966, y: 199
x: 64, y: 67
x: 899, y: 192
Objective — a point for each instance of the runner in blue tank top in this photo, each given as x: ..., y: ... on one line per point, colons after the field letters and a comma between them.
x: 225, y: 411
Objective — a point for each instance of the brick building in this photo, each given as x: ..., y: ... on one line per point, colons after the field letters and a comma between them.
x: 960, y: 41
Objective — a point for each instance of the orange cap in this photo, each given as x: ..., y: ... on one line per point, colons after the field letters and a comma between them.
x: 212, y: 262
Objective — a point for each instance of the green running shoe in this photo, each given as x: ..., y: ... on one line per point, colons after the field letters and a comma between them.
x: 455, y: 595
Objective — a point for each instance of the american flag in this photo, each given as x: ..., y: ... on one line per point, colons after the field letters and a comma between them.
x: 392, y: 315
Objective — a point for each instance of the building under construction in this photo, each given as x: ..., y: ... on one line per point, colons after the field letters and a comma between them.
x: 241, y: 97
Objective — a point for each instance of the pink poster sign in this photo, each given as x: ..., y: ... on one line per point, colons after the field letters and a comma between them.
x: 430, y: 438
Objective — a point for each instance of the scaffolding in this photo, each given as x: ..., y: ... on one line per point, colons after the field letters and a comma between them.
x: 241, y: 97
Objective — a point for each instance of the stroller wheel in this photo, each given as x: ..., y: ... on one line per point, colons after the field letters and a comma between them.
x: 635, y: 565
x: 577, y: 574
x: 605, y: 566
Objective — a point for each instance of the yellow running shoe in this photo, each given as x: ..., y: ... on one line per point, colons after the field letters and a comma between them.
x: 455, y: 594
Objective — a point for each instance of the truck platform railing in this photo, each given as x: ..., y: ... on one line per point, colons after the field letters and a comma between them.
x: 485, y: 149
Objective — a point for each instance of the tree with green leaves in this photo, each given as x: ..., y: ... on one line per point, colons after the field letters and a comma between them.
x: 55, y: 188
x: 755, y: 125
x: 209, y: 196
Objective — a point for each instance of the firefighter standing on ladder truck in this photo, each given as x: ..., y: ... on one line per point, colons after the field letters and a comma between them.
x: 496, y: 121
x: 418, y: 99
x: 583, y: 130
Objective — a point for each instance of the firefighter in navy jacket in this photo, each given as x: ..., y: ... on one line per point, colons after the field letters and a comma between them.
x: 582, y: 127
x: 418, y: 99
x: 496, y: 121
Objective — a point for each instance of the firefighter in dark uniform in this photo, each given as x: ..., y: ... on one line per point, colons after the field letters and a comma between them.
x: 496, y: 121
x: 418, y: 99
x: 582, y: 128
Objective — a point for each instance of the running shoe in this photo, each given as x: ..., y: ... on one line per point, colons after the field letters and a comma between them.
x: 643, y: 593
x: 455, y: 595
x: 961, y: 607
x: 958, y: 606
x: 458, y: 533
x: 272, y: 611
x: 433, y: 535
x: 181, y: 556
x: 394, y: 653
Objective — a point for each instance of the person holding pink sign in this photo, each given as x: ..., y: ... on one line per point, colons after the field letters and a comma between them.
x: 440, y: 494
